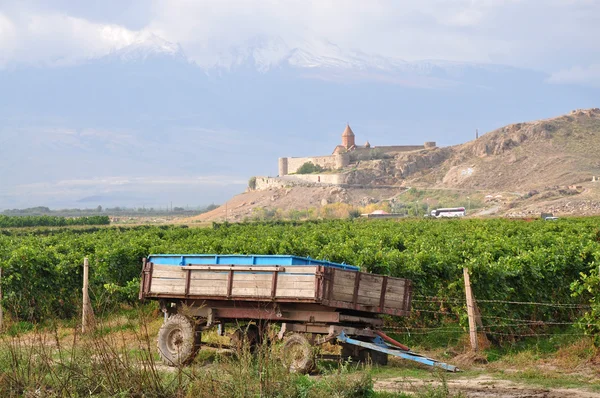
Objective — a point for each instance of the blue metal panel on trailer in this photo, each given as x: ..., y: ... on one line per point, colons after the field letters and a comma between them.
x: 379, y: 345
x: 235, y: 259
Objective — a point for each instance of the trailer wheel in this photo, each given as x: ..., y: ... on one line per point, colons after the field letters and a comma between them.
x: 298, y: 354
x: 178, y: 340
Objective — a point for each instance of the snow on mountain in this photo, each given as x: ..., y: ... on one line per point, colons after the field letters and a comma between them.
x: 265, y: 53
x: 147, y: 45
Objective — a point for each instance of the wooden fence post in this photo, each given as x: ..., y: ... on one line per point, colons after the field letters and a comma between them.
x: 87, y: 313
x: 1, y: 311
x: 471, y: 310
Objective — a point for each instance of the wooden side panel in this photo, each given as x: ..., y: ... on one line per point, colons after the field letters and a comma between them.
x: 172, y: 286
x: 395, y: 290
x: 294, y: 282
x: 337, y: 288
x: 369, y: 290
x: 251, y: 284
x: 295, y: 286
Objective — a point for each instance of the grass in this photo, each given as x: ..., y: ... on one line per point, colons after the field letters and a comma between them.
x: 120, y: 359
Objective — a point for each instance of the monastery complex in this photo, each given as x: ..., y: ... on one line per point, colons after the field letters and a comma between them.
x: 336, y: 167
x: 341, y: 156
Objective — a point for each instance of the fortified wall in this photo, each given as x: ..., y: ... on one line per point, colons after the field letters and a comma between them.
x: 340, y: 159
x: 300, y: 180
x: 331, y: 162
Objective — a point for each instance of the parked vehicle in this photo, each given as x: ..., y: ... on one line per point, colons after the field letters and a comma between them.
x: 326, y: 300
x: 449, y: 212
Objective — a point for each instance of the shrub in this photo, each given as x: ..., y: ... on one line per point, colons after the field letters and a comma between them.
x: 308, y: 168
x: 252, y: 183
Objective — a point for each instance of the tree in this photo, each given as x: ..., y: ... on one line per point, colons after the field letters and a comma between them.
x: 308, y: 168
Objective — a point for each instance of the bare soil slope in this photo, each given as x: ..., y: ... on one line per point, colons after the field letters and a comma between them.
x: 529, y: 165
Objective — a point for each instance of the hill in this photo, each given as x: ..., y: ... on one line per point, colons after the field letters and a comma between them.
x: 518, y: 170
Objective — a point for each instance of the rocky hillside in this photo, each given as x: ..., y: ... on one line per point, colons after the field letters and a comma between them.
x: 518, y: 170
x: 523, y: 156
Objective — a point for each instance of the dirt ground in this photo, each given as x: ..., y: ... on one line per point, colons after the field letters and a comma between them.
x: 483, y: 386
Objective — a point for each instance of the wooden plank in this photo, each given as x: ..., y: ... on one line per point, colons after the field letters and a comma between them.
x: 168, y: 282
x: 285, y: 278
x: 347, y: 284
x: 251, y: 284
x: 295, y: 269
x: 209, y: 290
x: 168, y: 271
x: 395, y: 304
x: 253, y: 268
x: 374, y: 293
x: 209, y: 276
x: 299, y: 293
x: 229, y: 283
x: 291, y: 269
x: 345, y: 275
x: 342, y: 296
x: 295, y: 285
x: 252, y: 277
x: 250, y: 291
x: 371, y: 278
x: 159, y: 287
x: 362, y: 300
x: 398, y: 296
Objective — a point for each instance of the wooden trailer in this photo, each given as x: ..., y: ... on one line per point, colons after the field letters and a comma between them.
x: 305, y: 296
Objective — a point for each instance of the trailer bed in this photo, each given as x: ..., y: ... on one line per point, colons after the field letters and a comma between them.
x: 280, y: 279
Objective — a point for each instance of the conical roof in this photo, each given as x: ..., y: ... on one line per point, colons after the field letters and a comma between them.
x: 348, y: 132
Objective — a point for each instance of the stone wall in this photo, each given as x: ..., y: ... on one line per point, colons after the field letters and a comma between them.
x: 399, y: 148
x: 334, y: 179
x: 326, y: 162
x: 338, y: 161
x: 302, y: 180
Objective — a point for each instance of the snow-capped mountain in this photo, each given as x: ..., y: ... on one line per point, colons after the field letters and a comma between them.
x: 150, y: 109
x: 147, y: 45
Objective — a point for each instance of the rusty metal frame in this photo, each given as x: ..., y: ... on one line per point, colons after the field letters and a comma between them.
x: 383, y: 292
x: 356, y: 288
x: 229, y: 283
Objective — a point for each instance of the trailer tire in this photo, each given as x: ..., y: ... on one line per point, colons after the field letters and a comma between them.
x: 298, y: 355
x: 178, y: 340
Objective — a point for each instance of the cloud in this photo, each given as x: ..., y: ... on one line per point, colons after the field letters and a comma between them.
x: 514, y: 32
x: 582, y: 75
x: 55, y: 39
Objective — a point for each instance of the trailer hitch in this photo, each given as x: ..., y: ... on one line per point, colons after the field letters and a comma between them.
x: 379, y: 344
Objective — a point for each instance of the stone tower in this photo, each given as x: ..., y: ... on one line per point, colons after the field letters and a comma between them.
x: 348, y: 138
x: 283, y: 167
x: 342, y: 160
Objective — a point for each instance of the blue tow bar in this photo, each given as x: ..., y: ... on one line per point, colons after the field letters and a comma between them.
x: 380, y: 345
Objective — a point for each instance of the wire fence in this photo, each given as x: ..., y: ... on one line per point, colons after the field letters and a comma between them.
x: 492, y: 325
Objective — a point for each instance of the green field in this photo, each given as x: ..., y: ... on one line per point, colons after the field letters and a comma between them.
x: 509, y: 261
x: 535, y: 283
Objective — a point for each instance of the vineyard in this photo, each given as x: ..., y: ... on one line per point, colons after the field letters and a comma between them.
x: 50, y: 221
x: 550, y: 268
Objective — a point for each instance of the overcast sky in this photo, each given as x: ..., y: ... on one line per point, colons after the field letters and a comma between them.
x: 559, y: 37
x: 71, y: 130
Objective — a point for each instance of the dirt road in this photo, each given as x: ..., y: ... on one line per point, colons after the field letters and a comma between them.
x: 483, y: 386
